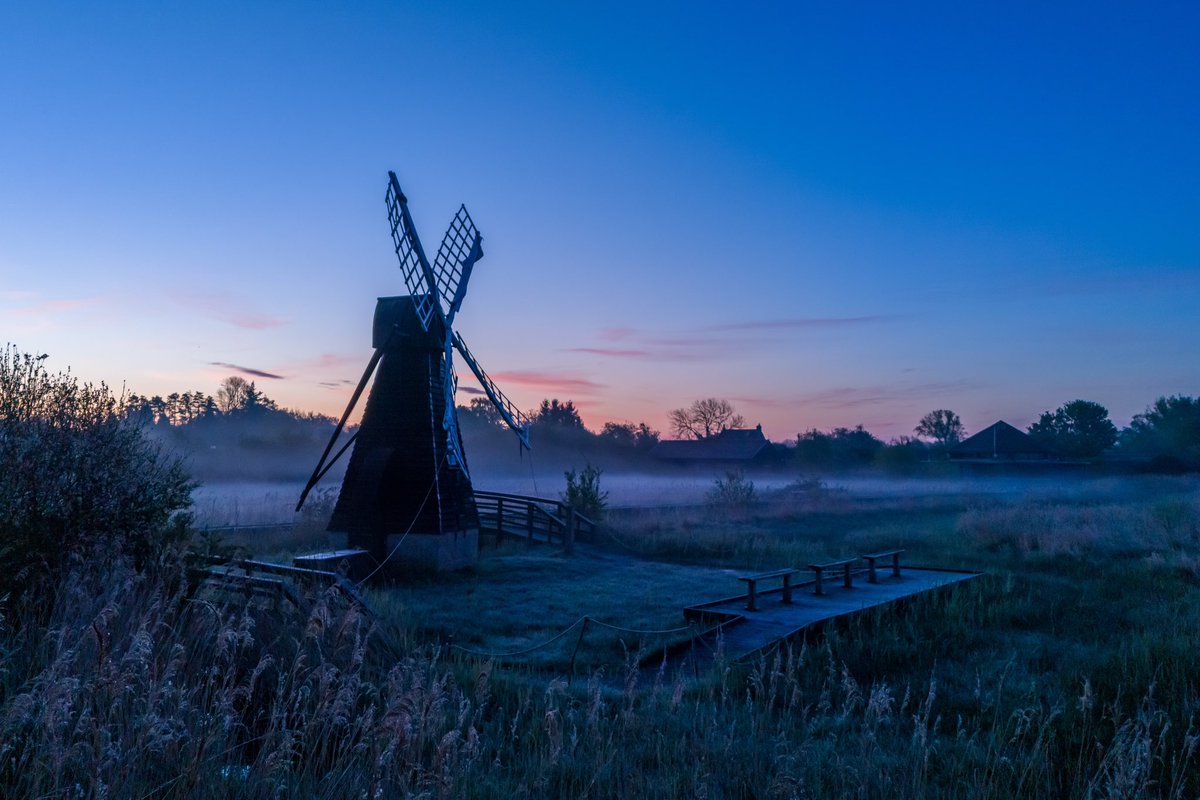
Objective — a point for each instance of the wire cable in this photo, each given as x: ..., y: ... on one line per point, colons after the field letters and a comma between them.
x: 411, y: 525
x: 549, y: 641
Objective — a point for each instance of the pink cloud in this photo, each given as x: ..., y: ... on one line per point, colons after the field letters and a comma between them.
x: 226, y: 308
x: 547, y: 380
x: 859, y: 396
x: 617, y: 334
x: 613, y: 352
x: 45, y: 307
x: 702, y: 343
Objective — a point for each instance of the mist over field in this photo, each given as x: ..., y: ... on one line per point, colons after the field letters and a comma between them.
x: 242, y: 502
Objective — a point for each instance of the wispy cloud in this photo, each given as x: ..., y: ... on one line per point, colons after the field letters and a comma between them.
x: 860, y: 396
x: 711, y: 341
x: 612, y: 352
x: 226, y: 308
x: 1061, y: 286
x: 617, y: 334
x: 799, y: 323
x: 471, y: 390
x: 256, y: 373
x: 27, y: 304
x: 553, y: 381
x: 328, y: 362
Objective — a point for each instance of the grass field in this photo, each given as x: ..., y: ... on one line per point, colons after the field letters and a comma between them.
x: 1069, y: 670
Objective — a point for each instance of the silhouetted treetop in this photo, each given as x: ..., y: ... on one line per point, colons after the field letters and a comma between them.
x: 1078, y: 429
x: 554, y: 413
x: 942, y: 426
x: 704, y: 418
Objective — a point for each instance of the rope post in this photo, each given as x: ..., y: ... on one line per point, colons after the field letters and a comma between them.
x: 499, y: 520
x: 575, y: 652
x: 529, y: 520
x: 569, y: 534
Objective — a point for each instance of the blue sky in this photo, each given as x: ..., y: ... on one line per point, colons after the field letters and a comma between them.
x: 828, y: 214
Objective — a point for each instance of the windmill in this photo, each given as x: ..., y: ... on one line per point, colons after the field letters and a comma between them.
x: 407, y: 495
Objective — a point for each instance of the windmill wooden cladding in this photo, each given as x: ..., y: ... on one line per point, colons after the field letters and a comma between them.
x: 408, y: 474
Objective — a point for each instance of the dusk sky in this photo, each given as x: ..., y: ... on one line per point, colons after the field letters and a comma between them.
x: 830, y: 214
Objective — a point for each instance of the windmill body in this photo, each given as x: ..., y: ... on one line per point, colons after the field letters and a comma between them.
x: 406, y: 498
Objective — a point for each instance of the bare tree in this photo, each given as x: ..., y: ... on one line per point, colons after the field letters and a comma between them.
x: 704, y: 418
x: 942, y: 426
x: 233, y: 394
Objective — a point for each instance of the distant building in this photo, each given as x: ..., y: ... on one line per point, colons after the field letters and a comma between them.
x: 1000, y: 442
x: 733, y: 447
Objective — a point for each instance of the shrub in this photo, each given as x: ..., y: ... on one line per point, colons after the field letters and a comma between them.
x: 734, y: 492
x: 79, y: 476
x: 583, y: 492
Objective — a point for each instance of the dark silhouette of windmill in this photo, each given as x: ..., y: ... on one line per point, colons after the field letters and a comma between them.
x: 406, y: 496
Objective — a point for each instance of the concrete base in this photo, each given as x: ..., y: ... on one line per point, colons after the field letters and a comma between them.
x: 444, y: 552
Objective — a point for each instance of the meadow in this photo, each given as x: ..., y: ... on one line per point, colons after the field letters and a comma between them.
x: 1068, y: 670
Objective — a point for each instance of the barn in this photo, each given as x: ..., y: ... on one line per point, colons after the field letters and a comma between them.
x: 1000, y: 442
x: 734, y: 447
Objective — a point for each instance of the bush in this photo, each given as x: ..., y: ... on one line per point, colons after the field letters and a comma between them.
x: 583, y: 492
x: 79, y: 477
x: 734, y: 492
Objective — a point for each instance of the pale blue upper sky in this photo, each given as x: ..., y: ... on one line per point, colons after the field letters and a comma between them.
x: 829, y: 214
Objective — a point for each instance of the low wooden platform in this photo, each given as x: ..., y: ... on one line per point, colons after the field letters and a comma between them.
x: 747, y: 632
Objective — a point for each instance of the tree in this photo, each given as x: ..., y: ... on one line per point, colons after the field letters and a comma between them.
x: 704, y: 419
x: 1078, y: 429
x: 1169, y: 429
x: 561, y: 415
x: 231, y: 396
x: 483, y: 410
x: 257, y: 401
x: 238, y: 394
x: 840, y: 447
x: 942, y: 426
x: 625, y: 434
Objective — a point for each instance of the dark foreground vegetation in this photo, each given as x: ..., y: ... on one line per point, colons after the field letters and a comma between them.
x: 1068, y: 671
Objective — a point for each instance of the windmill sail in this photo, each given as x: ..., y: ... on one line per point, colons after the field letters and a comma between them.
x: 508, y: 411
x: 461, y: 247
x: 418, y: 277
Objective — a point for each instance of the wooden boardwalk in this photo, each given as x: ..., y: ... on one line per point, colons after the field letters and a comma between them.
x: 746, y: 632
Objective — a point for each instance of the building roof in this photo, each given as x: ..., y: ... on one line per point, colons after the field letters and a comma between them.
x: 1000, y: 440
x: 741, y: 444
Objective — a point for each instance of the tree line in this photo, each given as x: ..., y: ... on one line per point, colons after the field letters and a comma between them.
x: 1166, y: 435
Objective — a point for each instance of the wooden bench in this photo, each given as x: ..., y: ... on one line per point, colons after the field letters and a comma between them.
x: 819, y: 569
x: 752, y: 580
x: 872, y: 577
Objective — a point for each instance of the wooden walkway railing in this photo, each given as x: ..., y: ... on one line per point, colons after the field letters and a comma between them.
x: 534, y: 519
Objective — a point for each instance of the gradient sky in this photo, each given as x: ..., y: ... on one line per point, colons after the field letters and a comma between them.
x: 830, y: 214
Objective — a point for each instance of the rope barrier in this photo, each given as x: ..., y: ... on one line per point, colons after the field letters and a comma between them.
x: 629, y: 547
x: 641, y: 633
x: 549, y: 641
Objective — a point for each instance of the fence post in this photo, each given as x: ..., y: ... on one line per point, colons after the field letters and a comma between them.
x: 569, y: 534
x: 499, y: 520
